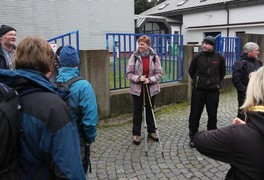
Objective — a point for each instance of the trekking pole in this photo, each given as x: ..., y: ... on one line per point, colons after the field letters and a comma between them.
x: 145, y: 120
x: 156, y: 128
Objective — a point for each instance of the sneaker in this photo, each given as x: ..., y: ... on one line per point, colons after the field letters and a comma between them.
x: 136, y: 140
x: 154, y: 136
x: 191, y: 144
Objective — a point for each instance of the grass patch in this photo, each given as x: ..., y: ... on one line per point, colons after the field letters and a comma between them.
x: 171, y: 108
x: 117, y: 76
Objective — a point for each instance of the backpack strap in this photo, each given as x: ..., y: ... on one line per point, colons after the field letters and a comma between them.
x: 72, y: 80
x: 8, y: 92
x: 24, y: 87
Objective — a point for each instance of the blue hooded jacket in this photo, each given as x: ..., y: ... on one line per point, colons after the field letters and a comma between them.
x: 82, y: 102
x: 49, y: 143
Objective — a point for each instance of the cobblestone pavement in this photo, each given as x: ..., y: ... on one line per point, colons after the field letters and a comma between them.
x: 114, y: 156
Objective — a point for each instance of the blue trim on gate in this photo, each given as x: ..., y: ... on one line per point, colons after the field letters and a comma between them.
x: 229, y: 47
x: 66, y: 39
x: 169, y: 48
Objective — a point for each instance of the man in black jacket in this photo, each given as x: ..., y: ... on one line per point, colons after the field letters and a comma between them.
x: 8, y: 37
x: 249, y: 62
x: 207, y: 70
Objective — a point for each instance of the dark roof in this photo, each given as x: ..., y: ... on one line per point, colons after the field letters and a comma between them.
x: 180, y: 7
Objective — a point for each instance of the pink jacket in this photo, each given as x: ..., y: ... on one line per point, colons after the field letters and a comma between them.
x: 135, y: 70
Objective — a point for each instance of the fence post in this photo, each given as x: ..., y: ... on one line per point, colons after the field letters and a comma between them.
x: 94, y: 66
x: 189, y: 51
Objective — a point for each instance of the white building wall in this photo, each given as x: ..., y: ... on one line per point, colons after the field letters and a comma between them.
x: 208, y: 18
x: 219, y: 17
x: 93, y: 18
x: 247, y: 14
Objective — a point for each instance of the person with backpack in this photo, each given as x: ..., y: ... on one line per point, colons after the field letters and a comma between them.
x: 144, y: 67
x: 48, y: 136
x: 248, y: 63
x: 207, y: 70
x: 82, y: 100
x: 241, y: 144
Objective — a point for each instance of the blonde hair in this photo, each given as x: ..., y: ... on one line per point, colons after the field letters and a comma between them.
x: 255, y: 90
x: 145, y: 39
x: 34, y: 53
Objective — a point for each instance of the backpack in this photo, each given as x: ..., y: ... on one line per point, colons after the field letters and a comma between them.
x: 64, y: 88
x: 10, y: 110
x: 10, y: 123
x: 64, y: 93
x: 9, y: 128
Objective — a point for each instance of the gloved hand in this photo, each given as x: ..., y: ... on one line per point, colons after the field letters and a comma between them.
x: 87, y: 161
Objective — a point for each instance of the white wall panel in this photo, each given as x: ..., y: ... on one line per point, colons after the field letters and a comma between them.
x: 50, y: 18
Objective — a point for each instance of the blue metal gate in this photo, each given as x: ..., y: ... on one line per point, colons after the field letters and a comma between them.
x: 169, y: 48
x: 230, y: 48
x: 71, y: 38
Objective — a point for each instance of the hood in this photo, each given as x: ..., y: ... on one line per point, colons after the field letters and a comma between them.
x: 66, y: 73
x: 256, y: 118
x: 9, y: 76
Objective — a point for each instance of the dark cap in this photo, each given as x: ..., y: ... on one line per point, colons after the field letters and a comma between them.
x: 5, y: 28
x: 209, y: 40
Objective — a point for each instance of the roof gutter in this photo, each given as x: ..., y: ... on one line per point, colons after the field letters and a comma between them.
x: 223, y: 26
x: 211, y: 7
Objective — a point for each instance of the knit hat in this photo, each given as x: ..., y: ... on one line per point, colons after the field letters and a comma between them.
x: 5, y: 28
x: 69, y: 57
x: 209, y: 40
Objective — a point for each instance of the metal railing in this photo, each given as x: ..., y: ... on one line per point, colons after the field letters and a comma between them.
x: 168, y: 47
x: 230, y: 48
x: 71, y: 38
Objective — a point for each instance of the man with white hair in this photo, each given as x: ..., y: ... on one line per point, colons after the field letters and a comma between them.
x: 249, y: 62
x: 8, y: 37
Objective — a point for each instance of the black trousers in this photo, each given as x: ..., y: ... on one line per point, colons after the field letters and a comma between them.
x: 240, y: 98
x: 137, y: 114
x: 200, y: 98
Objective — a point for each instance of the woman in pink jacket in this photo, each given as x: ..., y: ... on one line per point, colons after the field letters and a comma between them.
x: 143, y: 70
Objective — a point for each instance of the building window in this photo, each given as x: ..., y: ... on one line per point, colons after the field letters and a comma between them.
x: 211, y: 34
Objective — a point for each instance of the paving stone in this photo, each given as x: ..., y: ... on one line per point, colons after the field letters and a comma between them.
x: 114, y: 156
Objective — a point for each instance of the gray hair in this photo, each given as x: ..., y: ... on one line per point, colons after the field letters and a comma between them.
x: 255, y: 90
x: 250, y: 46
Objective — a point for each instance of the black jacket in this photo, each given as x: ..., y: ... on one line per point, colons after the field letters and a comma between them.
x: 2, y: 59
x: 207, y: 70
x: 241, y: 71
x: 241, y: 146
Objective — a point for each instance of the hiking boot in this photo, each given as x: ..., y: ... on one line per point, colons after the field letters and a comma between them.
x: 191, y: 144
x: 154, y: 136
x: 136, y: 140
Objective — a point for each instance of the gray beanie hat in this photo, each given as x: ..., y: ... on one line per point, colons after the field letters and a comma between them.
x: 209, y: 40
